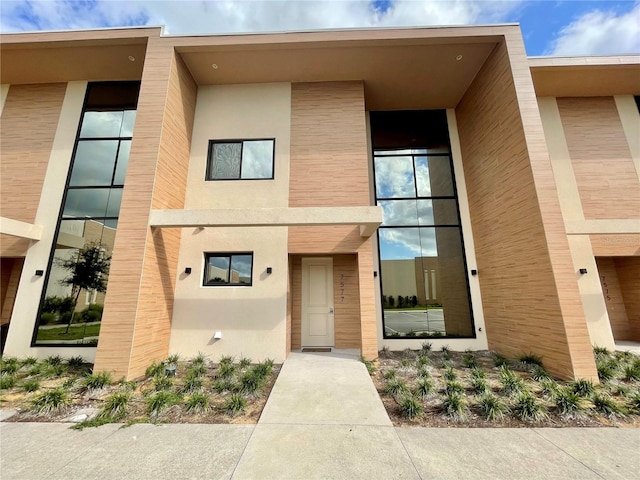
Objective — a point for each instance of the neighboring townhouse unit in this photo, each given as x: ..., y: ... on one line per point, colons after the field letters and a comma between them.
x: 356, y: 189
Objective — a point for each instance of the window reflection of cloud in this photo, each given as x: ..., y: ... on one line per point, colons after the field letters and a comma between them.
x: 101, y: 124
x: 257, y: 159
x: 394, y: 177
x: 242, y: 264
x: 123, y: 162
x: 89, y: 202
x: 94, y: 162
x: 406, y: 243
x: 220, y: 262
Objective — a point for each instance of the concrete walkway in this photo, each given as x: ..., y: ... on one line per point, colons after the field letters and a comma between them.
x: 325, y: 420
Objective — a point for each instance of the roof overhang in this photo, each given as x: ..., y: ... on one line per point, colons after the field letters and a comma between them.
x: 420, y: 68
x: 586, y: 76
x: 94, y: 55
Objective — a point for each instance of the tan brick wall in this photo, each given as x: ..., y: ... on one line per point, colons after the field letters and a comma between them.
x: 600, y: 156
x: 530, y: 296
x: 139, y: 303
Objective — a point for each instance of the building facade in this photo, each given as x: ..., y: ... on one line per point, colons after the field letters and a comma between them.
x: 358, y: 189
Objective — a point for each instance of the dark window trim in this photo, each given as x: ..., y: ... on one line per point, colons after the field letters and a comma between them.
x: 67, y: 187
x: 209, y: 170
x: 459, y: 227
x: 208, y: 255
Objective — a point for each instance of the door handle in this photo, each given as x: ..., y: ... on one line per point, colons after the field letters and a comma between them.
x: 331, y: 310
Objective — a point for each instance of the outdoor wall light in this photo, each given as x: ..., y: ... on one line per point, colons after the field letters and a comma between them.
x: 375, y: 274
x: 269, y: 270
x: 583, y: 271
x: 187, y: 270
x: 39, y: 273
x: 474, y: 272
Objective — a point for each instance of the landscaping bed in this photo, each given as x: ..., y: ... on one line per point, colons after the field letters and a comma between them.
x: 174, y: 391
x: 483, y: 389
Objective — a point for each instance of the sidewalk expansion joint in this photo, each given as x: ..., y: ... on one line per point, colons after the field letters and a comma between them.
x: 567, y: 453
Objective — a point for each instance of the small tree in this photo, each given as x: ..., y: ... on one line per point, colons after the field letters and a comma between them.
x: 87, y: 271
x: 400, y: 301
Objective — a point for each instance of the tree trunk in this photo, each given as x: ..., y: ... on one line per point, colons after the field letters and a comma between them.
x: 73, y: 312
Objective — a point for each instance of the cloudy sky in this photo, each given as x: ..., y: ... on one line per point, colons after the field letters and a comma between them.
x: 549, y: 27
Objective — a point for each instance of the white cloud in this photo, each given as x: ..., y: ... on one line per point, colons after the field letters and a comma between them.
x: 226, y: 16
x: 600, y: 33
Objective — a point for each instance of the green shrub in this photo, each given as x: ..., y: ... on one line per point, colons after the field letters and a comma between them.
x: 453, y: 387
x: 469, y: 360
x: 549, y: 387
x: 199, y: 359
x: 226, y: 370
x: 9, y: 365
x: 154, y: 369
x: 455, y: 406
x: 601, y: 351
x: 56, y: 370
x: 251, y: 381
x: 47, y: 318
x: 478, y: 385
x: 491, y: 407
x: 605, y: 405
x: 50, y: 400
x: 264, y: 368
x: 478, y: 373
x: 115, y: 405
x: 395, y: 386
x: 423, y: 372
x: 510, y: 382
x: 98, y: 380
x: 422, y: 360
x: 424, y: 386
x: 197, y: 370
x: 75, y: 362
x: 198, y: 403
x: 530, y: 359
x: 162, y: 382
x: 631, y: 373
x: 426, y: 347
x: 192, y: 383
x: 410, y: 406
x: 369, y: 365
x: 53, y: 360
x: 234, y: 405
x: 528, y: 408
x: 389, y: 374
x: 446, y: 352
x: 499, y: 360
x: 244, y: 362
x: 606, y: 370
x: 160, y: 401
x: 29, y: 361
x: 633, y: 401
x: 450, y: 375
x: 31, y: 385
x: 226, y: 360
x: 222, y: 385
x: 172, y: 359
x: 583, y: 387
x: 7, y: 381
x: 538, y: 373
x: 568, y: 402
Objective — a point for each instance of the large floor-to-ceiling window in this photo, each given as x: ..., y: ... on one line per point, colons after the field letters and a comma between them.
x: 423, y: 275
x: 72, y: 302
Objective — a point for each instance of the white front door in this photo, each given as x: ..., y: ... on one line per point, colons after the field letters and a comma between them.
x: 317, y: 302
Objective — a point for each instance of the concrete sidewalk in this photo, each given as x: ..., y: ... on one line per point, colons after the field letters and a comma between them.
x: 323, y: 419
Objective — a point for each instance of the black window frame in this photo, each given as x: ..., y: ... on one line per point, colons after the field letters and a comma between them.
x: 401, y: 151
x: 209, y: 170
x: 230, y: 255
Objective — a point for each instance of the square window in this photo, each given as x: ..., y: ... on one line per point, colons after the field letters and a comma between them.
x: 234, y: 269
x: 240, y: 159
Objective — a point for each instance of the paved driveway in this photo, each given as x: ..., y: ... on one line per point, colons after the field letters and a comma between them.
x: 404, y: 321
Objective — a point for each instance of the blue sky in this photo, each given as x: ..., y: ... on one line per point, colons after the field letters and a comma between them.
x: 548, y: 27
